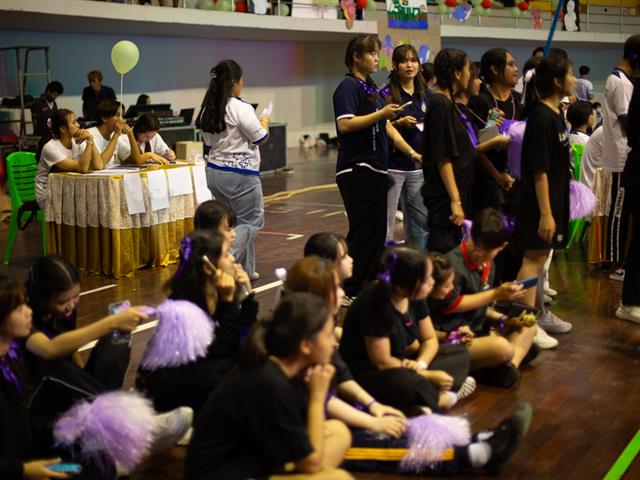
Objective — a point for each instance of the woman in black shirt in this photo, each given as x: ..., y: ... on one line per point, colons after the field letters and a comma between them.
x: 448, y: 154
x: 258, y: 424
x: 543, y: 220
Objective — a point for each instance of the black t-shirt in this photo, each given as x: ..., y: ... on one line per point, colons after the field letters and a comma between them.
x: 358, y: 324
x: 545, y: 147
x: 469, y: 279
x: 51, y: 327
x: 368, y: 145
x: 251, y: 426
x: 412, y: 135
x: 91, y: 99
x: 445, y: 136
x: 343, y: 374
x: 481, y: 104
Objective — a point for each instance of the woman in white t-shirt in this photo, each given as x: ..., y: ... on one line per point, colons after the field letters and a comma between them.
x: 113, y: 137
x: 64, y: 147
x: 232, y: 130
x: 152, y: 147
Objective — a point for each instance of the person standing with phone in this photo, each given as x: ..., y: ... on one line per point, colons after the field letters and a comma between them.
x: 407, y: 86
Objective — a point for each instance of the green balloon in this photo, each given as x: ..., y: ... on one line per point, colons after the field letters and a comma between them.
x: 516, y: 12
x: 124, y: 56
x: 223, y: 6
x: 476, y: 3
x: 478, y: 10
x: 206, y: 5
x: 282, y: 10
x: 486, y: 11
x: 443, y: 9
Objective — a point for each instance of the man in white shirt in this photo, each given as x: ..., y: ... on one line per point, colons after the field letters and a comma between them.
x: 617, y: 95
x: 584, y: 88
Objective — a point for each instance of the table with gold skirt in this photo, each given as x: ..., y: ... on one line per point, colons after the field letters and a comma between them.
x: 88, y: 222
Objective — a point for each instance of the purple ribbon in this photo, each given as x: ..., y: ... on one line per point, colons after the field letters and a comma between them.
x: 454, y: 337
x: 186, y: 253
x: 473, y: 136
x: 386, y: 275
x: 13, y: 354
x: 371, y: 90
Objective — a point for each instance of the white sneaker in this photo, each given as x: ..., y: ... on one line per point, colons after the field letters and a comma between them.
x: 467, y: 388
x: 399, y: 216
x: 547, y: 299
x: 553, y: 324
x: 617, y: 274
x: 170, y: 428
x: 549, y: 291
x: 543, y: 340
x: 184, y: 441
x: 628, y: 312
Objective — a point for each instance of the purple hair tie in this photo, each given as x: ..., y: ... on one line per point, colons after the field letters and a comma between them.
x: 386, y: 275
x: 454, y: 337
x: 509, y: 224
x: 390, y: 243
x: 185, y: 254
x: 13, y: 354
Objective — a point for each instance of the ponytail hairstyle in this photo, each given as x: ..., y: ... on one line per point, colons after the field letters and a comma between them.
x: 316, y: 275
x: 49, y: 276
x: 147, y: 122
x: 299, y: 316
x: 359, y: 45
x: 447, y: 63
x: 223, y: 76
x: 442, y: 268
x: 401, y: 268
x: 190, y: 280
x: 494, y: 57
x: 542, y: 84
x: 401, y: 54
x: 55, y: 123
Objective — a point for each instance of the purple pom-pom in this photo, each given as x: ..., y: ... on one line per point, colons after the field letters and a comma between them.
x: 115, y: 426
x: 582, y: 200
x: 184, y: 334
x: 514, y: 151
x: 466, y: 229
x: 430, y: 436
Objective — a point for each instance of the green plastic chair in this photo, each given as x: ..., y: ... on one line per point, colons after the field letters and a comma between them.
x: 21, y: 179
x: 576, y: 227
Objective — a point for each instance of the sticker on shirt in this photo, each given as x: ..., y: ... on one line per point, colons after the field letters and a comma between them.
x: 239, y: 160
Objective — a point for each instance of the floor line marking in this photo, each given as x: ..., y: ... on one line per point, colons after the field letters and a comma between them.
x: 313, y: 212
x: 625, y: 459
x: 332, y: 214
x: 99, y: 289
x: 153, y: 323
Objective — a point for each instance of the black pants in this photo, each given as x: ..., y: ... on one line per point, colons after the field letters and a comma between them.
x: 377, y: 447
x: 443, y: 238
x: 184, y: 386
x: 364, y: 193
x: 453, y: 359
x: 400, y: 387
x: 631, y: 287
x: 618, y: 223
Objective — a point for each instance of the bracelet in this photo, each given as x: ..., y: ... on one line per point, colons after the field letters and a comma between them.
x: 368, y: 405
x: 422, y: 364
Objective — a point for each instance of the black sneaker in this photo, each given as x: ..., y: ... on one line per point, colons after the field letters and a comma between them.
x: 502, y: 376
x: 506, y: 437
x: 531, y: 355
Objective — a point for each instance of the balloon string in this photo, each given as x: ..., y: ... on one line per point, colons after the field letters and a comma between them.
x: 121, y: 91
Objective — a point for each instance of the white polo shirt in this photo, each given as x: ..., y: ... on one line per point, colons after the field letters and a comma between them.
x: 591, y: 158
x: 53, y: 152
x: 235, y: 149
x: 120, y: 153
x: 157, y: 144
x: 617, y: 96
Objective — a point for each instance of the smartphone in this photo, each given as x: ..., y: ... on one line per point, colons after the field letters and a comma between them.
x: 528, y: 282
x: 65, y: 467
x: 406, y: 104
x: 118, y: 337
x: 514, y: 309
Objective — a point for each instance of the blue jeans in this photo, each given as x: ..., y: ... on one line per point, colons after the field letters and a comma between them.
x: 406, y: 188
x: 244, y: 194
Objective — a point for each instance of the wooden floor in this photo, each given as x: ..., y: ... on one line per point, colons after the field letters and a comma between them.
x: 584, y: 393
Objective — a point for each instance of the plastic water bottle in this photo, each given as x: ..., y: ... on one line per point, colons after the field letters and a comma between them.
x: 493, y: 117
x: 118, y: 337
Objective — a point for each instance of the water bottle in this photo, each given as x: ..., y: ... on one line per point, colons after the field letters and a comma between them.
x: 495, y: 115
x: 118, y: 337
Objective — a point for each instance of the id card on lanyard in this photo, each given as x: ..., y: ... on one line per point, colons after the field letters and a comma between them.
x: 484, y: 278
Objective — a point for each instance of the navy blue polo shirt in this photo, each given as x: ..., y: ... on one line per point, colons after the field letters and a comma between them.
x: 413, y: 136
x: 368, y: 146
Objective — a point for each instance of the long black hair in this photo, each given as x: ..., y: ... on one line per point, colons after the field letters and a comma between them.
x: 59, y: 119
x: 189, y: 281
x: 210, y: 214
x: 542, y: 84
x: 299, y: 316
x: 400, y: 54
x: 49, y: 276
x: 223, y: 76
x: 447, y: 63
x: 359, y: 45
x: 401, y: 268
